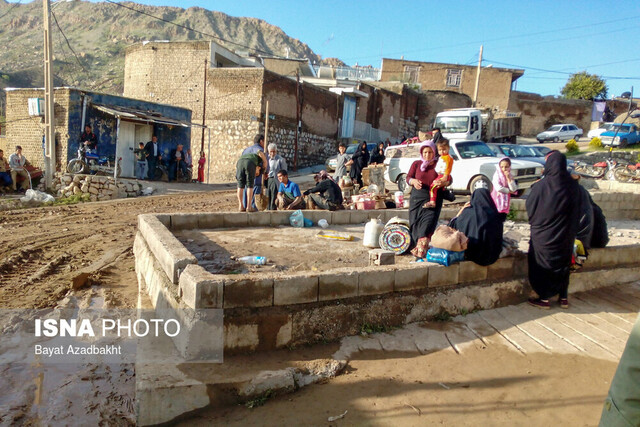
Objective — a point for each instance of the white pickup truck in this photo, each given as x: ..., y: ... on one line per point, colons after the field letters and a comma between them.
x: 473, y: 161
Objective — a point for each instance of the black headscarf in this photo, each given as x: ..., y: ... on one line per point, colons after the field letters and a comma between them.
x: 360, y: 160
x: 553, y: 210
x: 482, y: 225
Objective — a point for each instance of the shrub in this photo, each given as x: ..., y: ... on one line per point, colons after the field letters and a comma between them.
x: 572, y: 146
x: 595, y: 142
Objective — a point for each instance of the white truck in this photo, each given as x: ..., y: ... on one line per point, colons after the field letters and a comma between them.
x: 473, y: 124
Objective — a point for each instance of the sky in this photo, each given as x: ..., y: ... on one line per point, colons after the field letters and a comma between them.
x: 548, y: 39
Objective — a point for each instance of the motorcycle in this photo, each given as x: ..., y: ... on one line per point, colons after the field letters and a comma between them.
x: 598, y: 170
x: 161, y: 173
x: 627, y: 173
x: 90, y: 162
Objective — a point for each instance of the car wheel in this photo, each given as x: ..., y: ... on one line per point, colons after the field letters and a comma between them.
x: 474, y: 181
x: 401, y: 180
x: 623, y: 143
x: 577, y: 138
x: 556, y: 139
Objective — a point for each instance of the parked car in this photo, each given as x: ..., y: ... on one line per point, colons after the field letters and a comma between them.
x: 473, y: 161
x: 332, y: 162
x: 561, y: 132
x: 530, y: 153
x: 628, y: 134
x: 597, y: 132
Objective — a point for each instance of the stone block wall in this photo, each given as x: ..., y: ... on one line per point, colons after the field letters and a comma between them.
x: 97, y: 187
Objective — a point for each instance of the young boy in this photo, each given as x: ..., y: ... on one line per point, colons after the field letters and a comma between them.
x: 343, y: 158
x: 443, y: 169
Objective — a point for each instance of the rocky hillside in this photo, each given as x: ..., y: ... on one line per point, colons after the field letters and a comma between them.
x: 100, y: 32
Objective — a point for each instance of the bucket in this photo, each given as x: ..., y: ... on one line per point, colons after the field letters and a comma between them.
x: 372, y: 233
x: 399, y: 198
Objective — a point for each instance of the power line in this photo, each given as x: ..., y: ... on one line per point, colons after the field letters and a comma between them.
x: 67, y: 40
x: 567, y: 72
x: 10, y: 9
x: 192, y: 29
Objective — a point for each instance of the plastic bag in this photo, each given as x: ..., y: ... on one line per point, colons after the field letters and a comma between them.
x: 308, y: 222
x: 444, y: 257
x: 296, y: 219
x: 450, y: 239
x: 35, y: 196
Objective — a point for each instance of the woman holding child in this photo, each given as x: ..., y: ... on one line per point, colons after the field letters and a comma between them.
x: 423, y: 219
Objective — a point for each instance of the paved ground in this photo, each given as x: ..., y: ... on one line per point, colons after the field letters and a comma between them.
x: 515, y: 365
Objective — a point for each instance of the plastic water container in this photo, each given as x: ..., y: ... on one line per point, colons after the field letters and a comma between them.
x: 323, y: 223
x: 372, y: 233
x: 399, y: 198
x: 255, y: 260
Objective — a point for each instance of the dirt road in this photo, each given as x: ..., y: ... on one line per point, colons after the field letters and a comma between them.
x: 43, y: 249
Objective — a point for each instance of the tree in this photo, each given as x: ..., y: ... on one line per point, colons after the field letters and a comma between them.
x: 583, y: 85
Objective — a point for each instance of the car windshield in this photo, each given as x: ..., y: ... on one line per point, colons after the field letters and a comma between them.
x: 554, y: 128
x: 514, y: 151
x: 471, y: 149
x: 623, y: 128
x: 544, y: 150
x: 452, y: 124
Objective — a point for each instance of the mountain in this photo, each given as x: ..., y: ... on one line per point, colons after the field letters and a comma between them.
x: 98, y: 33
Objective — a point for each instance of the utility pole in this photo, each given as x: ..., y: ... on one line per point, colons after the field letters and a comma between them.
x: 204, y: 106
x: 49, y: 119
x: 295, y: 148
x: 475, y: 92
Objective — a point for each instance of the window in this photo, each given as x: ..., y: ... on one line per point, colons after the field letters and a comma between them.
x: 454, y: 77
x: 412, y: 73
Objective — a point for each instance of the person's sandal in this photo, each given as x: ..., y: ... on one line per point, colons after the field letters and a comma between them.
x: 539, y: 303
x: 564, y: 303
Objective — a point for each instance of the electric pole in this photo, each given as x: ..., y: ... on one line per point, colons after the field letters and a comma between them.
x: 49, y: 120
x: 475, y: 92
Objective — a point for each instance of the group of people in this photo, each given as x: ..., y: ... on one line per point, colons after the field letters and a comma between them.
x: 149, y: 155
x: 559, y: 210
x: 255, y: 169
x: 14, y: 170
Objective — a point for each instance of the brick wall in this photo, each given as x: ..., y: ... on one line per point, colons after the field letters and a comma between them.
x: 495, y: 83
x: 27, y: 131
x: 538, y: 112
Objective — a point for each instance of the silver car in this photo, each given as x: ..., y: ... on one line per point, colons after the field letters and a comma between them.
x: 561, y: 132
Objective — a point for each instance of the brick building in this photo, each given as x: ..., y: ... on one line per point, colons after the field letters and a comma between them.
x: 236, y: 102
x: 119, y: 123
x: 494, y: 90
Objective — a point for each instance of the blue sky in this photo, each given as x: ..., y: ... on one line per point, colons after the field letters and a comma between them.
x: 549, y: 39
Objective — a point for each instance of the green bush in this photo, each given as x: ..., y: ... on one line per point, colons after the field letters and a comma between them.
x: 595, y: 142
x: 572, y: 146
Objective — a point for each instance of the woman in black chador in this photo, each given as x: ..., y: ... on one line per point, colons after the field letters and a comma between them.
x: 481, y: 223
x: 359, y: 161
x: 552, y: 207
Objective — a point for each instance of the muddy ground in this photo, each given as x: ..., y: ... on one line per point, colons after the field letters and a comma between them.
x: 43, y: 249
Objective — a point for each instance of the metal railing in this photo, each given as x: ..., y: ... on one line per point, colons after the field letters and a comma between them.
x: 350, y: 73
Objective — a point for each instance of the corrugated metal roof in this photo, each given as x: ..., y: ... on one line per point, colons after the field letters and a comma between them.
x: 131, y: 114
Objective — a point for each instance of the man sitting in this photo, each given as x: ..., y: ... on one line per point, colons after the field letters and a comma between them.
x: 329, y: 194
x: 176, y: 159
x: 17, y: 162
x: 289, y: 195
x: 5, y: 174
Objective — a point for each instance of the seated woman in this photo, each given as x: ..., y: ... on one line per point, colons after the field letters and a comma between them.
x: 377, y: 155
x: 480, y: 221
x: 326, y: 194
x: 423, y: 220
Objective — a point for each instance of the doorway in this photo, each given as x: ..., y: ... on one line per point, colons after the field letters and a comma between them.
x: 129, y: 136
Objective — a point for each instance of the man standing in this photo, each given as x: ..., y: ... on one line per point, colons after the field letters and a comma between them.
x: 276, y: 163
x: 258, y: 146
x: 177, y: 162
x: 289, y: 195
x: 89, y: 139
x: 17, y: 162
x: 153, y: 155
x: 5, y: 175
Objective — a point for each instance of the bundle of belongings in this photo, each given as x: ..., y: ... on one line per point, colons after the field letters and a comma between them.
x: 448, y: 246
